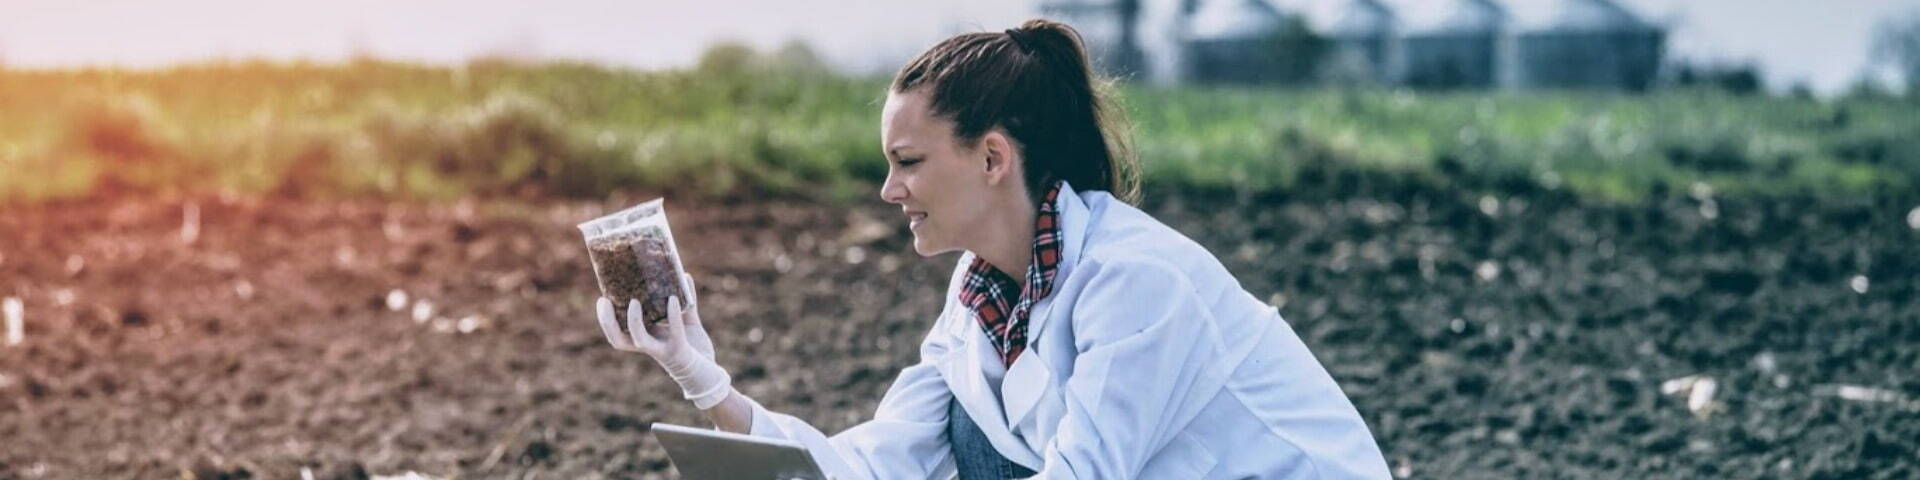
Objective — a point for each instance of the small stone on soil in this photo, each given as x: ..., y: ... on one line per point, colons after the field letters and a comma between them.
x: 470, y: 323
x: 1870, y: 394
x: 16, y: 328
x: 1698, y: 389
x: 396, y: 300
x: 422, y: 311
x: 1487, y: 271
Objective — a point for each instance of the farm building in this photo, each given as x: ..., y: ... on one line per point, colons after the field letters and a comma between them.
x: 1366, y: 44
x: 1234, y: 41
x: 1459, y: 50
x: 1441, y: 44
x: 1587, y: 44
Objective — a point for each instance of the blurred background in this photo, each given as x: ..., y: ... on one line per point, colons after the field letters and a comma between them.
x: 1566, y: 238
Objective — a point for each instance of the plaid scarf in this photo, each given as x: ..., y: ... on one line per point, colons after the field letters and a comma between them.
x: 987, y: 291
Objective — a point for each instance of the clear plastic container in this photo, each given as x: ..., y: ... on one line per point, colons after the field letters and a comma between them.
x: 634, y: 257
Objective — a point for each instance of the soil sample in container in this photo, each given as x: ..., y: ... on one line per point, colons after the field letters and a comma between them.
x: 634, y: 257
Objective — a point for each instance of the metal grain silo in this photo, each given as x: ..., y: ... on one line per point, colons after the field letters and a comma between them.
x: 1366, y: 46
x: 1458, y: 50
x: 1587, y: 44
x: 1239, y: 41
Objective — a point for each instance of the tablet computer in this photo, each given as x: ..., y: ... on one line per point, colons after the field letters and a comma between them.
x: 704, y: 454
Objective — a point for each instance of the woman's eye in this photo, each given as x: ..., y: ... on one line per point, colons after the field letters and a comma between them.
x: 907, y: 162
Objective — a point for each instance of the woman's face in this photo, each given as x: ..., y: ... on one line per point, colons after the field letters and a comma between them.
x: 943, y: 187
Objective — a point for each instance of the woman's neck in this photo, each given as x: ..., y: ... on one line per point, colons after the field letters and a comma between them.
x: 1009, y: 241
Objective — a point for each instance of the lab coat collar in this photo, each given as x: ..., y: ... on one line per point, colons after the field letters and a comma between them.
x: 1030, y: 376
x: 1073, y: 236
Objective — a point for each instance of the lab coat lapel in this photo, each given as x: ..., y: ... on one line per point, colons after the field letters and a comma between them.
x: 1027, y: 380
x: 965, y: 370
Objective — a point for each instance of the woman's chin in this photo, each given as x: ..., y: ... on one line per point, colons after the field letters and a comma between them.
x: 927, y: 249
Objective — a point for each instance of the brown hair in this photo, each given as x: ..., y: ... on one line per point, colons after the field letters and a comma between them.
x: 1034, y: 81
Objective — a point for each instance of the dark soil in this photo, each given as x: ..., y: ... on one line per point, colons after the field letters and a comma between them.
x: 637, y: 265
x: 1516, y: 337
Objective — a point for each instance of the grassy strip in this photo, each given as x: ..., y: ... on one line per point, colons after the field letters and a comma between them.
x: 758, y: 125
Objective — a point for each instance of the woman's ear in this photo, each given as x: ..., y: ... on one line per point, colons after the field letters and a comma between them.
x: 1002, y: 160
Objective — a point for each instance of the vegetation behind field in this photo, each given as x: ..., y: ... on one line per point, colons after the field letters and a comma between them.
x: 778, y: 124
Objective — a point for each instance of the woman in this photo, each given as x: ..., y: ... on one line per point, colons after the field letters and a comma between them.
x: 1081, y: 338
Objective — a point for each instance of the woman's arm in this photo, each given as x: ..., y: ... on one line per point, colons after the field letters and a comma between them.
x: 733, y: 414
x: 905, y: 439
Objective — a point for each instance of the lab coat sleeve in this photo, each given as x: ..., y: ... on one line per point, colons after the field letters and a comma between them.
x: 907, y: 438
x: 1146, y: 366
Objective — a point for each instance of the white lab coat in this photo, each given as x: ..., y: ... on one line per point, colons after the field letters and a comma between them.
x: 1147, y: 361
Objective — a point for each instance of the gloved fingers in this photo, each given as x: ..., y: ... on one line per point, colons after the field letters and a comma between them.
x: 693, y: 295
x: 691, y: 318
x: 676, y: 321
x: 642, y: 338
x: 693, y: 301
x: 611, y: 326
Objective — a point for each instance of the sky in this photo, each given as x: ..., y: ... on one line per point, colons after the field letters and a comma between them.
x: 1823, y: 43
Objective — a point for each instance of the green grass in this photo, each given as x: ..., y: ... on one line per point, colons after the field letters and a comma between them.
x: 1612, y: 147
x: 749, y: 124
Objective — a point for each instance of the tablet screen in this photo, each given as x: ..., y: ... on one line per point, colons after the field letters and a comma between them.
x: 703, y: 454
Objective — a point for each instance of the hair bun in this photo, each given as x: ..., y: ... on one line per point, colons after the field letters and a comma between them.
x: 1016, y: 35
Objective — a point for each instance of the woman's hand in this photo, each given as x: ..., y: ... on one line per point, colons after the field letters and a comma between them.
x: 696, y: 332
x: 661, y: 335
x: 685, y: 355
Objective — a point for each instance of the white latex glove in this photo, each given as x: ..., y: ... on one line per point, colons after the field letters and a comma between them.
x: 701, y: 380
x: 696, y: 332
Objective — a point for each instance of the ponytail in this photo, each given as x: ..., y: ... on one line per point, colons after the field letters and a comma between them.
x: 1036, y: 82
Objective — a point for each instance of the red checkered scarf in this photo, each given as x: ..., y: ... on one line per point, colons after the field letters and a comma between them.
x: 986, y: 290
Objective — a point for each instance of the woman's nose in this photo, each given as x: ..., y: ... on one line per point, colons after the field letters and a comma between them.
x: 892, y: 191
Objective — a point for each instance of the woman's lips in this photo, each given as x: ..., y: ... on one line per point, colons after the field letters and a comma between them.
x: 914, y: 219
